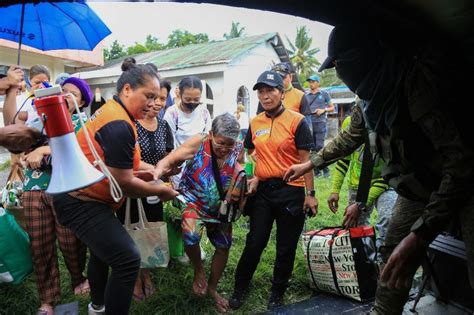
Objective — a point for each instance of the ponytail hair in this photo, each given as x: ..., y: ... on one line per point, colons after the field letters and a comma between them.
x: 136, y: 75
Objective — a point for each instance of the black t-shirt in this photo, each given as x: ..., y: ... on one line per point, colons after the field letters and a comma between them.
x: 118, y: 154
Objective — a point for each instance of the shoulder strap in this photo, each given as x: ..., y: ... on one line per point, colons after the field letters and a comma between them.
x: 215, y: 170
x: 365, y: 178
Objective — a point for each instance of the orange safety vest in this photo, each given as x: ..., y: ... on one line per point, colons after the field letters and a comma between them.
x: 274, y: 141
x: 109, y: 112
x: 292, y: 99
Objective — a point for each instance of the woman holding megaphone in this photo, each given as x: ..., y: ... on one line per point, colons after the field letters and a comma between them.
x: 90, y: 212
x: 41, y: 221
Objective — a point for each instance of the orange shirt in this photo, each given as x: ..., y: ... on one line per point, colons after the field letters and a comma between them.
x: 109, y: 112
x: 292, y: 99
x: 275, y: 144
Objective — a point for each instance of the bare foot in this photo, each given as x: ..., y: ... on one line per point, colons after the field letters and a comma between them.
x: 148, y: 286
x: 82, y: 288
x: 138, y: 294
x: 200, y: 284
x: 222, y: 304
x: 45, y: 309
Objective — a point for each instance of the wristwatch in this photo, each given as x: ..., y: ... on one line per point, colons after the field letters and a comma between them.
x: 311, y: 193
x: 362, y: 206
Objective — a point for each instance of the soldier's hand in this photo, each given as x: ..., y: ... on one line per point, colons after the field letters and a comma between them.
x: 403, y: 263
x: 333, y: 202
x: 351, y: 216
x: 297, y: 170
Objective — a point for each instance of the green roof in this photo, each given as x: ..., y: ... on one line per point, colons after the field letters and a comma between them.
x: 214, y: 52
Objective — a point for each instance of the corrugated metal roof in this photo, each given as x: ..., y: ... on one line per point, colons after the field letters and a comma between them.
x: 214, y: 52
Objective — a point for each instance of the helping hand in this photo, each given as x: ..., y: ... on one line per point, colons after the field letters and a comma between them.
x: 252, y: 185
x: 18, y: 138
x: 396, y: 273
x: 333, y: 202
x: 15, y: 75
x: 166, y: 193
x: 33, y: 159
x: 351, y: 216
x: 312, y: 203
x: 297, y: 170
x: 318, y: 112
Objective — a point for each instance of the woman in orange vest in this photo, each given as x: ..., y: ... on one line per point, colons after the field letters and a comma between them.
x: 280, y: 138
x: 90, y: 212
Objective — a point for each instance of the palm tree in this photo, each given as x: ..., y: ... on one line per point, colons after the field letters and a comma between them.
x: 302, y: 55
x: 235, y: 31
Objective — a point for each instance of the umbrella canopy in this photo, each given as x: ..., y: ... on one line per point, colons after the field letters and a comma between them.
x: 52, y: 25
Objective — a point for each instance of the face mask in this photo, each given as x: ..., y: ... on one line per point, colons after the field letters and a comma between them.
x: 190, y: 106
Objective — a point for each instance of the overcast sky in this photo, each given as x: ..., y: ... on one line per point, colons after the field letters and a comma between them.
x: 132, y: 22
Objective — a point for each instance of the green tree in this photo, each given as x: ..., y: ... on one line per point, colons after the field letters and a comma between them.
x: 116, y: 51
x: 180, y: 38
x: 152, y: 43
x: 302, y: 55
x: 235, y: 31
x: 330, y: 78
x: 136, y: 49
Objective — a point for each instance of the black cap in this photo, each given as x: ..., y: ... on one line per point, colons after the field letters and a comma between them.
x: 270, y: 78
x: 283, y: 68
x: 343, y: 38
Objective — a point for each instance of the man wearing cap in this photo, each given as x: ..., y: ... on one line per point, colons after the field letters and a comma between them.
x: 280, y: 138
x: 320, y: 104
x: 428, y: 151
x: 292, y: 98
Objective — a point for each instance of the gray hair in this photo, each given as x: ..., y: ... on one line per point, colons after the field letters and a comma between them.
x: 226, y: 125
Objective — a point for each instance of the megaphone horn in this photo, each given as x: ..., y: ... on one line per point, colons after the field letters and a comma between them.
x: 71, y: 169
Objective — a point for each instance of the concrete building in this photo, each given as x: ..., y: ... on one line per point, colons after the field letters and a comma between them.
x: 228, y: 69
x: 57, y: 61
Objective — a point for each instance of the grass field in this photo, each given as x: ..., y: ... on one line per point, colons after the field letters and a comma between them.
x: 173, y: 284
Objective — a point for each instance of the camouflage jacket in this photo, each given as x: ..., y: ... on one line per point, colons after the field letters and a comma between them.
x: 427, y: 147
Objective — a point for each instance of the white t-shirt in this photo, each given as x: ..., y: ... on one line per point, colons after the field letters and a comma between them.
x: 27, y: 107
x: 243, y: 120
x: 185, y: 125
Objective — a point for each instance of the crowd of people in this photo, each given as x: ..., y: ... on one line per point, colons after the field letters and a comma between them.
x: 200, y: 155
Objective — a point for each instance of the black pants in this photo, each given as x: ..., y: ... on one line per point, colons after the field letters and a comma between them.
x: 274, y: 201
x: 96, y: 225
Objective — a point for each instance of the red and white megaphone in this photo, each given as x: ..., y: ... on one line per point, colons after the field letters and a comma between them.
x: 71, y: 169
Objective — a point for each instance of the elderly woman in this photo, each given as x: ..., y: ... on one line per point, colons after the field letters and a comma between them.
x: 200, y: 191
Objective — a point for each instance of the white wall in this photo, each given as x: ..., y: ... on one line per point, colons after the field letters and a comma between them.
x: 245, y: 71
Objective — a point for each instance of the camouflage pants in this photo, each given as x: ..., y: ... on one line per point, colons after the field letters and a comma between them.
x: 405, y: 213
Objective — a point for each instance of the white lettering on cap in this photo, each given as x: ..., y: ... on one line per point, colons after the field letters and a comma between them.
x: 270, y: 77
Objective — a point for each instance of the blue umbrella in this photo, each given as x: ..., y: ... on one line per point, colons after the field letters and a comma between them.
x: 52, y: 25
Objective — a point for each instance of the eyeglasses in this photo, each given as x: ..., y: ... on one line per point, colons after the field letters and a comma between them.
x: 223, y: 146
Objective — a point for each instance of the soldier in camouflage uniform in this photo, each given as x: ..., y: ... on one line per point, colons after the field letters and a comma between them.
x: 428, y: 155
